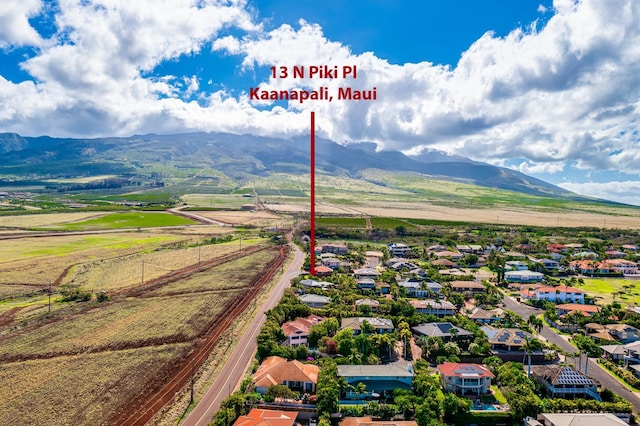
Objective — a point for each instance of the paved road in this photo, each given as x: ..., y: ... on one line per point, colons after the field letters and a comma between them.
x: 233, y: 370
x: 594, y: 371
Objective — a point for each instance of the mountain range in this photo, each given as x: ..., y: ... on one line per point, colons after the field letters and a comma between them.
x: 242, y: 157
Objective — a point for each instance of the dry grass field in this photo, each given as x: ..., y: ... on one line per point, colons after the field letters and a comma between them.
x: 98, y: 274
x: 49, y: 219
x: 257, y: 219
x: 84, y: 389
x: 37, y: 261
x: 87, y: 361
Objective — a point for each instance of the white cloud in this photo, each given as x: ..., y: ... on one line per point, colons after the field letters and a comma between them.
x: 15, y: 29
x: 566, y: 93
x: 543, y: 167
x: 621, y: 191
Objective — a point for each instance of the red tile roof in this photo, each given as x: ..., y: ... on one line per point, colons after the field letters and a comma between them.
x: 275, y: 370
x: 258, y: 417
x: 449, y: 369
x: 301, y: 325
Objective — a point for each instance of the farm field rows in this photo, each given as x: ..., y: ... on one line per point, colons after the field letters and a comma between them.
x: 98, y: 275
x: 85, y: 363
x: 84, y: 389
x: 37, y: 261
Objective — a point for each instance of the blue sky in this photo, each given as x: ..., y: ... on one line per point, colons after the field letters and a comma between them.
x: 550, y: 88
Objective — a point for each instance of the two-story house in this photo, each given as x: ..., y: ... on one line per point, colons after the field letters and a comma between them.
x: 565, y: 382
x: 465, y: 379
x: 559, y: 294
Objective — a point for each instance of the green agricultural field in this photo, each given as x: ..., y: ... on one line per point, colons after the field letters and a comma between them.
x: 606, y: 290
x: 61, y: 246
x: 124, y: 220
x: 390, y: 223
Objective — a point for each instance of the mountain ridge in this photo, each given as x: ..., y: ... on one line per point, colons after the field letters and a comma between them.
x: 245, y: 156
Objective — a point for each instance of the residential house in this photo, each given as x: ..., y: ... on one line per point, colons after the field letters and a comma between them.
x: 632, y: 354
x: 465, y: 379
x: 297, y: 331
x: 373, y: 258
x: 383, y: 288
x: 569, y: 419
x: 506, y: 339
x: 398, y: 250
x: 630, y: 247
x: 472, y: 287
x: 366, y: 273
x: 586, y: 255
x: 484, y: 316
x: 402, y: 264
x: 598, y: 332
x: 260, y: 417
x: 314, y: 300
x: 567, y: 308
x: 332, y: 262
x: 622, y: 266
x: 323, y: 271
x: 316, y: 284
x: 372, y: 304
x: 335, y: 248
x: 437, y: 247
x: 366, y: 283
x: 295, y: 375
x: 516, y: 265
x: 614, y: 352
x: 605, y: 267
x: 523, y: 276
x: 470, y: 248
x: 623, y: 332
x: 439, y: 308
x: 557, y: 294
x: 420, y: 289
x: 565, y: 382
x: 549, y: 264
x: 449, y: 254
x: 615, y: 254
x: 557, y: 248
x: 445, y: 263
x: 380, y: 325
x: 445, y: 330
x: 380, y: 379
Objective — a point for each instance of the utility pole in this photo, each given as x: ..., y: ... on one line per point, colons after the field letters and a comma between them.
x: 192, y: 380
x: 49, y: 292
x: 199, y: 247
x: 142, y: 281
x: 240, y: 242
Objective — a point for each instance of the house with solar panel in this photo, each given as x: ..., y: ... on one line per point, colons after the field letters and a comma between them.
x: 565, y: 382
x: 506, y: 339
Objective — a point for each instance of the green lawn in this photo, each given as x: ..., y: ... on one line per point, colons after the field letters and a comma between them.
x: 125, y: 220
x: 603, y: 290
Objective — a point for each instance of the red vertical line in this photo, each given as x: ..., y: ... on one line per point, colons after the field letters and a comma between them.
x: 312, y: 254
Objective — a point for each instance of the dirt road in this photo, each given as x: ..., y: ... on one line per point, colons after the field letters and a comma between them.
x: 232, y: 372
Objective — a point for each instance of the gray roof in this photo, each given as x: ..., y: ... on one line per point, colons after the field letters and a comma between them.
x: 388, y: 370
x: 439, y: 329
x: 314, y: 298
x: 581, y: 419
x: 375, y: 322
